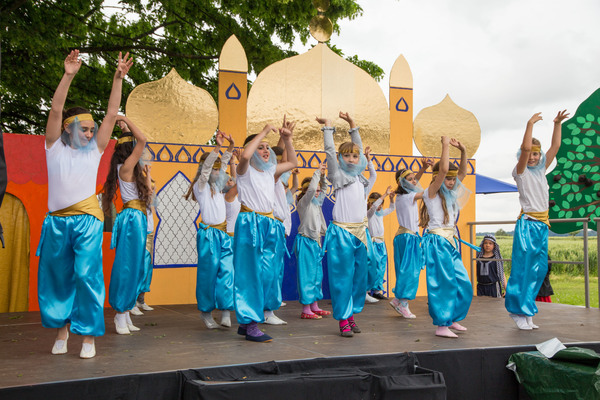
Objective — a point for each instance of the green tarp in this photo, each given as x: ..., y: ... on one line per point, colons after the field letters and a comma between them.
x: 571, y: 373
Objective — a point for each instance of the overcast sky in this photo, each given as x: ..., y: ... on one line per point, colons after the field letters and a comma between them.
x: 501, y: 60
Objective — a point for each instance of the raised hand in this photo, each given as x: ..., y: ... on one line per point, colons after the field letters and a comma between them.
x: 323, y: 167
x: 324, y: 121
x: 287, y: 131
x: 445, y: 140
x: 219, y: 138
x: 228, y: 137
x: 392, y: 197
x: 236, y: 156
x: 346, y: 117
x: 535, y: 118
x: 428, y: 162
x: 72, y: 63
x: 455, y: 143
x: 123, y: 65
x: 368, y: 153
x: 561, y: 116
x: 295, y: 171
x: 388, y: 191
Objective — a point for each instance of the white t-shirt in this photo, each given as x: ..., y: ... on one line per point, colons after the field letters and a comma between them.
x: 256, y: 189
x: 407, y: 211
x: 128, y: 190
x: 232, y: 209
x: 282, y: 208
x: 71, y: 174
x: 436, y: 212
x: 212, y: 206
x: 150, y: 219
x: 533, y: 189
x: 350, y: 203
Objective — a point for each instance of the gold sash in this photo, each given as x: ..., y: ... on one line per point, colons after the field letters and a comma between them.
x: 357, y: 229
x: 150, y: 242
x: 541, y: 216
x: 269, y: 214
x: 447, y: 233
x: 378, y: 237
x: 88, y: 206
x: 401, y: 230
x: 136, y: 204
x: 222, y: 226
x: 230, y: 234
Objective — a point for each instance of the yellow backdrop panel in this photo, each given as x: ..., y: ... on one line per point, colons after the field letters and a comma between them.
x: 14, y: 259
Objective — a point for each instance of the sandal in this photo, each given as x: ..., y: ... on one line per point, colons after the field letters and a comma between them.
x: 310, y: 316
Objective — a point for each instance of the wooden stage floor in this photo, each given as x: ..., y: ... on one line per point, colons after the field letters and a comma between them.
x: 173, y: 338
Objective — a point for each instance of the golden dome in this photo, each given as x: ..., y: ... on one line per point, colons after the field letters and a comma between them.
x: 319, y: 83
x: 172, y: 110
x: 446, y: 119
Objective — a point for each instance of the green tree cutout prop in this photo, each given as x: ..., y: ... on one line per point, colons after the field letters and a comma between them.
x: 575, y: 182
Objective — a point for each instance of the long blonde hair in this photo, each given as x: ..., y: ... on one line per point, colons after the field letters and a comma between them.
x: 423, y: 214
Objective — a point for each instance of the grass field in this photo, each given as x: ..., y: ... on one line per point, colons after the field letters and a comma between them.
x: 566, y: 280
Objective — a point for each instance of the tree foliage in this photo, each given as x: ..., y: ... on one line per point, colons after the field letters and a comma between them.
x: 161, y: 34
x: 575, y: 182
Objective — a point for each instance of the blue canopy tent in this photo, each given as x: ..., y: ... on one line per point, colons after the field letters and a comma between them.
x: 487, y: 185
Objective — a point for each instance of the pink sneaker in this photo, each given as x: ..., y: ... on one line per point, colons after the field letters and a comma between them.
x: 402, y: 308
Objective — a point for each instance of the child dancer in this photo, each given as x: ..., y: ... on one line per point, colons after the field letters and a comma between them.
x: 70, y: 280
x: 347, y: 238
x: 131, y: 224
x: 256, y: 240
x: 408, y: 257
x: 214, y: 276
x: 449, y: 291
x: 378, y: 258
x: 490, y: 273
x: 372, y: 179
x: 232, y: 203
x: 308, y: 244
x: 140, y: 303
x: 282, y: 213
x: 530, y: 244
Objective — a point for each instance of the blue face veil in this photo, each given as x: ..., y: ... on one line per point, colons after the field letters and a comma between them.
x: 353, y: 169
x: 540, y: 166
x: 318, y: 200
x: 74, y: 134
x: 456, y: 198
x: 409, y: 187
x: 260, y: 164
x: 227, y: 185
x: 217, y: 179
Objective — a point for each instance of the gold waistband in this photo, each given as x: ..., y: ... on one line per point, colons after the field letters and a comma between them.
x: 230, y: 233
x: 541, y: 216
x: 136, y: 204
x: 222, y: 226
x: 88, y: 206
x: 447, y: 233
x: 269, y: 214
x: 401, y: 230
x: 377, y: 237
x: 358, y: 229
